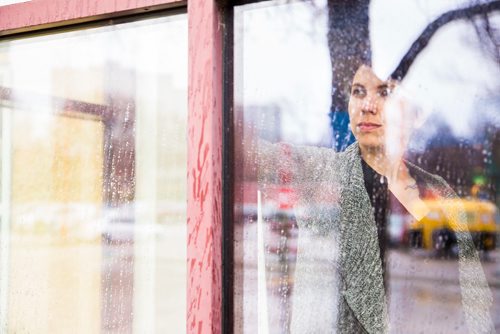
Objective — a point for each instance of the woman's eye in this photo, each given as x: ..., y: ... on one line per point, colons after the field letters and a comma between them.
x: 359, y: 92
x: 385, y: 92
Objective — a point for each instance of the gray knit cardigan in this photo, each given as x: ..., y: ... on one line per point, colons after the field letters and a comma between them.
x: 338, y: 284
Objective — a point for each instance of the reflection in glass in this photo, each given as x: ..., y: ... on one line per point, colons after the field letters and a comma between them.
x: 336, y: 259
x: 93, y: 180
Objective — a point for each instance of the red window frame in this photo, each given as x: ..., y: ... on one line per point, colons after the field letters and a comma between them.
x: 205, y: 124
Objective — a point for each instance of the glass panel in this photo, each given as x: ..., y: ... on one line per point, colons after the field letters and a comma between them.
x: 367, y: 169
x: 93, y: 234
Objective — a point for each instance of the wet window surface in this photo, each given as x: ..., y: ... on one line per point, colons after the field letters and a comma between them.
x: 93, y: 160
x: 367, y: 168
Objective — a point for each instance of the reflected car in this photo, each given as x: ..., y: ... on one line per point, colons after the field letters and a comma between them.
x: 438, y: 230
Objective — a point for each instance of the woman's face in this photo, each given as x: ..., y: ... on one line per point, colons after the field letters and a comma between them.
x: 366, y: 108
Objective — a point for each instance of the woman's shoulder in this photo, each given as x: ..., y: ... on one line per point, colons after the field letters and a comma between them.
x: 422, y: 174
x: 430, y: 182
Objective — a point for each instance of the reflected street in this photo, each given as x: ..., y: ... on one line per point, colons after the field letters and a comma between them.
x: 424, y: 290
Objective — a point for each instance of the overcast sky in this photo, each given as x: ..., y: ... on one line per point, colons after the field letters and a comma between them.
x: 283, y: 60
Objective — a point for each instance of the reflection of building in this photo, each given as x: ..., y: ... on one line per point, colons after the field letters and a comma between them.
x: 461, y: 162
x: 56, y: 203
x: 99, y: 147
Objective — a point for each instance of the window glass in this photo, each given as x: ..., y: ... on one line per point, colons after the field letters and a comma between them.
x: 367, y: 168
x: 93, y: 156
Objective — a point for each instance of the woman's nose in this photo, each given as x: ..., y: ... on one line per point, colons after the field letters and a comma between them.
x: 369, y: 105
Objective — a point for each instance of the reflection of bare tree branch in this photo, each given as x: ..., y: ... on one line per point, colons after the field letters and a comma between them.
x: 487, y: 34
x: 424, y: 38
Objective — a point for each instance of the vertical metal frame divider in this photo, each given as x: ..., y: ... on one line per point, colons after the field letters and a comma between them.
x: 229, y: 217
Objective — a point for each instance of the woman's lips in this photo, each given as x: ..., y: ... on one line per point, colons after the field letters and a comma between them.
x: 368, y: 127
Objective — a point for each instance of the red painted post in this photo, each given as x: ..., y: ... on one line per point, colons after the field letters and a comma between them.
x: 204, y: 168
x: 37, y: 14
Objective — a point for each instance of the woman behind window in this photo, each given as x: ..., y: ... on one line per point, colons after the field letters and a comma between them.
x: 340, y: 284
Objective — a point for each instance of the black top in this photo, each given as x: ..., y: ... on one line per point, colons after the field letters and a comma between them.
x: 376, y: 187
x: 383, y: 203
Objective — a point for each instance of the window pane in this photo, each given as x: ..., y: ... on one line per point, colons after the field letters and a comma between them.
x: 93, y: 180
x: 366, y: 181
